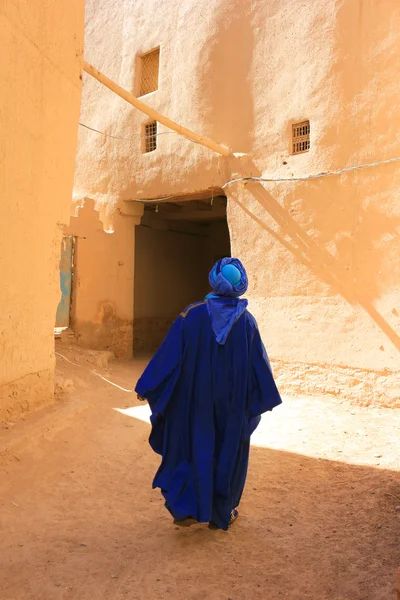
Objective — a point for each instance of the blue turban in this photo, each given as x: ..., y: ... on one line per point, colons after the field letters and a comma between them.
x: 228, y: 278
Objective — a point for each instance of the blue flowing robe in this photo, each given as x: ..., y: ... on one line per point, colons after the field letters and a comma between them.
x: 206, y: 400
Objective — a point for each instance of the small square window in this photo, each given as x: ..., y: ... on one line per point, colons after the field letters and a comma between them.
x: 301, y: 137
x: 150, y: 136
x: 149, y: 68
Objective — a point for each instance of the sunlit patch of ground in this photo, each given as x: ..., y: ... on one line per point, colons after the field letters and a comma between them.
x: 317, y: 428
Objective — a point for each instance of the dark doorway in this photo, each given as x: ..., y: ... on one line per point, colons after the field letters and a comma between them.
x: 175, y: 247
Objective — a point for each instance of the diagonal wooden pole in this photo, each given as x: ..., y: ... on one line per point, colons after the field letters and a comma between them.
x: 191, y: 135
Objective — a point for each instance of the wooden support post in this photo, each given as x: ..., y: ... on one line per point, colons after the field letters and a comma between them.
x: 199, y: 139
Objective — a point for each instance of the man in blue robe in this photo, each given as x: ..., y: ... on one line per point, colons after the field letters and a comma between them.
x: 207, y: 387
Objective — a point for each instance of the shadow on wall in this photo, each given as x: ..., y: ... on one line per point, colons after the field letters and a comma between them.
x: 363, y: 122
x: 356, y: 283
x: 227, y: 102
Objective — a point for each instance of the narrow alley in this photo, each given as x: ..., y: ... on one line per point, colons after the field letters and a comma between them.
x: 200, y: 229
x: 320, y: 517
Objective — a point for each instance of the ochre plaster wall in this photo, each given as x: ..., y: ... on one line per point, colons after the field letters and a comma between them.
x: 40, y: 92
x: 323, y: 256
x: 102, y: 302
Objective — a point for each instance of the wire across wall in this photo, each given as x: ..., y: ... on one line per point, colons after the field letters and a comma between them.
x: 260, y: 179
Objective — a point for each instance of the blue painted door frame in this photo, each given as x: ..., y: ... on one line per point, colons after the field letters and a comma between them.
x: 66, y: 263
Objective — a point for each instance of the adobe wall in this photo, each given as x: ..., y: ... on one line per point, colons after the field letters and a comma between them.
x: 103, y: 279
x: 40, y: 65
x: 324, y: 255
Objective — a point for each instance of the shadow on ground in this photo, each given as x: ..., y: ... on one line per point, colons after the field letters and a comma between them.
x: 88, y: 525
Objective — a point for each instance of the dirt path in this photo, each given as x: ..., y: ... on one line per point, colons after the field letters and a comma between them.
x: 320, y: 519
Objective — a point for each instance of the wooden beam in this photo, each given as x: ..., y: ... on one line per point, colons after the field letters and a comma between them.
x: 191, y: 135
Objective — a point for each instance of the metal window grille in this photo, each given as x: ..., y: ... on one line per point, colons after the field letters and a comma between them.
x: 150, y: 136
x: 301, y: 137
x: 150, y: 64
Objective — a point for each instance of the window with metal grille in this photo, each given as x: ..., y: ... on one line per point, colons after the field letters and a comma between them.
x: 150, y: 136
x: 149, y: 67
x: 301, y: 137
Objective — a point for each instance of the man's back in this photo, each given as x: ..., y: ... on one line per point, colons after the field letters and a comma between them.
x: 207, y: 387
x: 202, y: 429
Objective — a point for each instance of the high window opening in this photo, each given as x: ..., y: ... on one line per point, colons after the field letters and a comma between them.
x: 301, y: 137
x: 176, y: 246
x: 150, y: 137
x: 149, y: 66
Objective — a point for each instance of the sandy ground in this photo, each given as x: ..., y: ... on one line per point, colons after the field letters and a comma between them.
x: 320, y: 518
